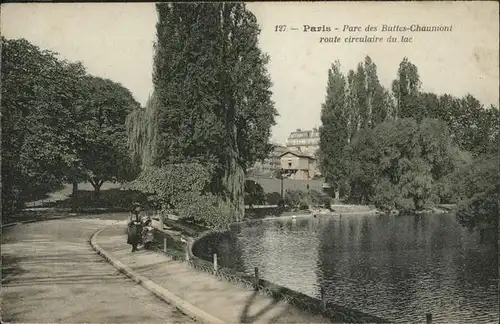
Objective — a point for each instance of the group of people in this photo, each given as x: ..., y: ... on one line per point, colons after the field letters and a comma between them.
x: 139, y: 230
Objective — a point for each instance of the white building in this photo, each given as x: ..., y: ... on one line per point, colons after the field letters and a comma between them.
x: 304, y: 141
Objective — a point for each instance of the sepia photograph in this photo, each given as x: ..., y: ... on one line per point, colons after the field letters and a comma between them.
x: 250, y: 162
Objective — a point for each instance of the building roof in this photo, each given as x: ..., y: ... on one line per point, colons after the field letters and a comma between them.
x: 314, y: 133
x: 297, y: 155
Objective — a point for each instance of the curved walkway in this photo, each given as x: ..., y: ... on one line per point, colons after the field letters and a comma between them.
x: 222, y: 300
x: 50, y: 274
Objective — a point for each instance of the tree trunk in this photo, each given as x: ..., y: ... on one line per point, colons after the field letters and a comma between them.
x: 74, y: 194
x: 234, y: 184
x: 234, y: 179
x: 97, y: 186
x: 75, y: 188
x: 97, y: 191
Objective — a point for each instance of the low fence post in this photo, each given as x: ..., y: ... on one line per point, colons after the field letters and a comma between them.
x: 323, y: 300
x: 183, y: 240
x: 165, y: 244
x: 428, y: 318
x: 256, y: 278
x: 215, y: 261
x: 187, y: 252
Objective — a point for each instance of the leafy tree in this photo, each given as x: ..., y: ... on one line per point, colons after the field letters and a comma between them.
x: 103, y: 152
x: 480, y: 186
x: 430, y: 106
x: 411, y: 149
x: 398, y: 164
x: 473, y: 127
x: 50, y: 109
x: 39, y: 92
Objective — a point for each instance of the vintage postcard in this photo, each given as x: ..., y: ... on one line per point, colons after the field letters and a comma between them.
x: 231, y: 162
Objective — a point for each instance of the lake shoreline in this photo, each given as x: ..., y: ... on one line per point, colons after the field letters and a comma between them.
x: 352, y: 257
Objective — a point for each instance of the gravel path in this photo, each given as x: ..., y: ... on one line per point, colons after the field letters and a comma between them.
x: 50, y: 274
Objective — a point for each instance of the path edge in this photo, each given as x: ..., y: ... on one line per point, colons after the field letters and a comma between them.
x: 155, y: 289
x: 7, y: 225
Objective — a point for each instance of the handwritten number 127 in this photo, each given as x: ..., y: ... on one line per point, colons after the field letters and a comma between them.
x: 280, y: 28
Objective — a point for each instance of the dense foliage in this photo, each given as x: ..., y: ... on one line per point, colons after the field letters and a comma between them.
x: 480, y: 188
x: 406, y: 149
x: 103, y: 151
x: 272, y: 198
x: 211, y: 103
x: 58, y: 124
x: 301, y: 199
x: 183, y: 189
x: 400, y: 164
x: 254, y: 193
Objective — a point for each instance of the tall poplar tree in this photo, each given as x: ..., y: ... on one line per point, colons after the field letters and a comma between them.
x: 212, y: 94
x: 406, y: 90
x: 360, y: 92
x: 351, y: 107
x: 334, y: 127
x: 378, y: 99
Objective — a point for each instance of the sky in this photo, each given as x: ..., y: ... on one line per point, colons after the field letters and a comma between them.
x: 115, y: 41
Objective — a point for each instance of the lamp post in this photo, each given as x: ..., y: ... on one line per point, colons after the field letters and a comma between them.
x: 281, y: 180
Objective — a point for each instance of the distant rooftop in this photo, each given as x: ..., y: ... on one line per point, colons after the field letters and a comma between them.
x: 299, y: 133
x: 298, y: 155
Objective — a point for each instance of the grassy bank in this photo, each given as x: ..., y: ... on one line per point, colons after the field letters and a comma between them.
x: 274, y: 185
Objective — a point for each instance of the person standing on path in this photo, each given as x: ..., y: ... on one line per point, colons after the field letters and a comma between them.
x: 147, y: 234
x: 134, y: 228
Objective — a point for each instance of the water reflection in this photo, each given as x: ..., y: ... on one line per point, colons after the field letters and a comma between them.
x: 395, y: 267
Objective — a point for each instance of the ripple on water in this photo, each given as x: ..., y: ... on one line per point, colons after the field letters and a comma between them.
x: 395, y: 267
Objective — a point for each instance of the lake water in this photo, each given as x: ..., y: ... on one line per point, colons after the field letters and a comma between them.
x: 395, y: 267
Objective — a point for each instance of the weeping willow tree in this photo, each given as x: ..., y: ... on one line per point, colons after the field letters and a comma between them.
x: 211, y: 104
x: 142, y: 132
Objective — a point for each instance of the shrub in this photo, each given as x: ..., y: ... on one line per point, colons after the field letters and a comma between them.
x: 294, y: 197
x: 300, y: 198
x: 480, y: 208
x: 254, y: 193
x: 319, y: 198
x: 273, y: 198
x: 184, y: 188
